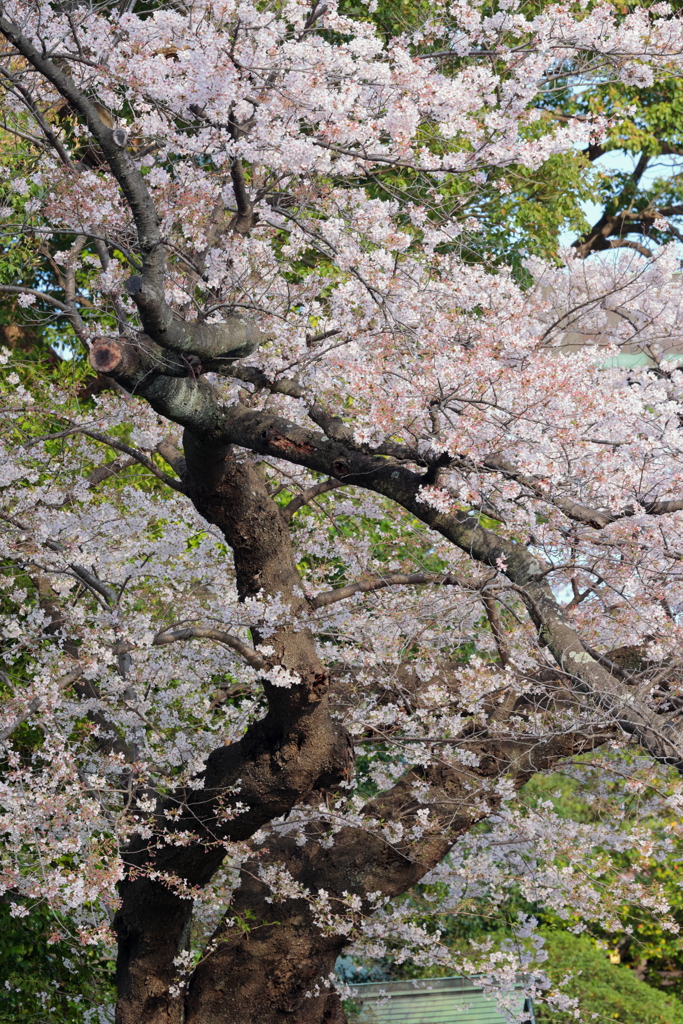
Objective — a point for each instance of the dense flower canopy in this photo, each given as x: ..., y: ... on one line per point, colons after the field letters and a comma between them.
x: 423, y: 508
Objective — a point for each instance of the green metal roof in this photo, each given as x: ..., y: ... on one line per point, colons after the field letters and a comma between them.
x: 429, y: 1001
x: 627, y: 359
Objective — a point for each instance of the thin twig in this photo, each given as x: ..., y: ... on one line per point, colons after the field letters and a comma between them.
x: 329, y: 597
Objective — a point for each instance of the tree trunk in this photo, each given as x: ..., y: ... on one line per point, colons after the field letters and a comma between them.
x: 270, y: 967
x: 294, y: 750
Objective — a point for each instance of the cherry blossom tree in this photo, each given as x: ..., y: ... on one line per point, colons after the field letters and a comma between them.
x: 374, y: 537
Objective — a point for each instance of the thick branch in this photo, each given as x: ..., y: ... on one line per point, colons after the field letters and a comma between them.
x: 309, y: 495
x: 235, y: 338
x: 609, y: 230
x: 493, y: 615
x: 596, y: 518
x: 171, y: 455
x: 193, y: 404
x: 252, y: 657
x: 235, y: 982
x: 245, y: 218
x: 13, y: 289
x: 628, y: 243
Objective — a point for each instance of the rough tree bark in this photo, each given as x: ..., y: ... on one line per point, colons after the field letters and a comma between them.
x: 276, y: 971
x: 294, y: 750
